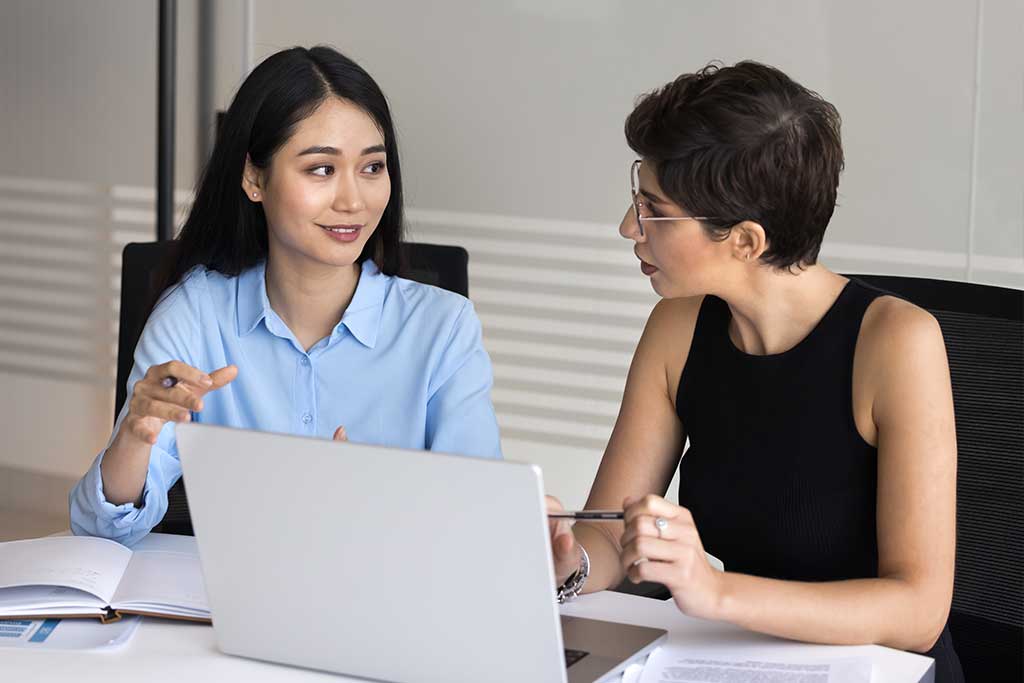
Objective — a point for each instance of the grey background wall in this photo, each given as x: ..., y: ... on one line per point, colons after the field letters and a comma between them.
x: 510, y: 122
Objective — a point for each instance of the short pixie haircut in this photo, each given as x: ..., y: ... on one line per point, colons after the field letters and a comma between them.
x: 745, y: 142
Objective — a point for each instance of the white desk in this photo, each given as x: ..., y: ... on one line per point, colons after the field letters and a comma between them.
x: 180, y: 652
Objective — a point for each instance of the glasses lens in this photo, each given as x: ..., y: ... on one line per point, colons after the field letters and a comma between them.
x: 634, y: 184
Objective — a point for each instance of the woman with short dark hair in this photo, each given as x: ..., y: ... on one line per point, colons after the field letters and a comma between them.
x: 283, y: 310
x: 821, y: 466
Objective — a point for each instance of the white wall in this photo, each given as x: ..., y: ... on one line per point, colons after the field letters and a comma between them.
x: 77, y: 168
x: 510, y: 122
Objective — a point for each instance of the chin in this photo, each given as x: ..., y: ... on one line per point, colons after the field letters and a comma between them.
x: 668, y: 290
x: 660, y: 287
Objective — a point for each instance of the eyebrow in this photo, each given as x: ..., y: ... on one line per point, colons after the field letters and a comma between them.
x: 651, y: 197
x: 337, y: 152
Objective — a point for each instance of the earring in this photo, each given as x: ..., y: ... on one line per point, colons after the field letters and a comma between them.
x: 256, y: 194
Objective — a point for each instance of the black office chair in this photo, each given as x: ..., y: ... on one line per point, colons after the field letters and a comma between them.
x: 984, y: 335
x: 434, y: 264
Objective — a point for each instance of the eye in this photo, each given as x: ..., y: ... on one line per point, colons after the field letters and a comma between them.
x: 375, y: 167
x: 644, y: 208
x: 323, y: 170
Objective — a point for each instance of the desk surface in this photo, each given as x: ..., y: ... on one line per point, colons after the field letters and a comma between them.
x: 178, y: 652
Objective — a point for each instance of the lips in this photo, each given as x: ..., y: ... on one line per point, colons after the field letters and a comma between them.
x: 342, y: 233
x: 645, y: 267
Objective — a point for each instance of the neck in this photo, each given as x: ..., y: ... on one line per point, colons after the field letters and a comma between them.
x: 773, y: 310
x: 310, y: 298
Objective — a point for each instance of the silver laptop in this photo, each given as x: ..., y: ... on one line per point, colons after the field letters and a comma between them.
x: 384, y: 563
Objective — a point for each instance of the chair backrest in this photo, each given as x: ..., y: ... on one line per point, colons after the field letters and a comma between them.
x: 984, y: 336
x: 434, y: 264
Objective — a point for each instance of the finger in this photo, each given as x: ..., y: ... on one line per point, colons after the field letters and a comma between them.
x: 567, y: 556
x: 183, y: 372
x: 646, y: 525
x: 220, y: 378
x: 653, y: 505
x: 339, y: 434
x: 180, y: 394
x: 224, y: 375
x: 146, y: 429
x: 556, y: 527
x: 653, y: 549
x: 143, y: 406
x: 658, y: 572
x: 565, y: 547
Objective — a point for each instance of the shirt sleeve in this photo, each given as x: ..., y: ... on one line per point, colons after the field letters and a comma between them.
x: 169, y: 334
x: 460, y: 415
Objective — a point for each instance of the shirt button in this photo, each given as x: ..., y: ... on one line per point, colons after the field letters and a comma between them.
x: 306, y: 418
x: 304, y: 361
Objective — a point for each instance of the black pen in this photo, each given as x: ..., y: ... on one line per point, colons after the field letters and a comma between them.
x: 589, y: 515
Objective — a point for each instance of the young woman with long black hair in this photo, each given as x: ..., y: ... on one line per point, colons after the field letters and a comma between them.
x: 283, y: 310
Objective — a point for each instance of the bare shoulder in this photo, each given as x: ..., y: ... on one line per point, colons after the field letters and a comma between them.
x: 900, y: 362
x: 668, y: 335
x: 895, y: 326
x: 671, y: 324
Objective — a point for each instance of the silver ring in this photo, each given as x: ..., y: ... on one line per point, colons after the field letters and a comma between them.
x: 639, y: 561
x: 660, y: 523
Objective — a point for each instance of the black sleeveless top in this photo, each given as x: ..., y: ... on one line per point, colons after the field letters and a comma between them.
x: 778, y: 479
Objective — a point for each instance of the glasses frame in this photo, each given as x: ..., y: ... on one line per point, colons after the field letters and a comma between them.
x: 634, y: 190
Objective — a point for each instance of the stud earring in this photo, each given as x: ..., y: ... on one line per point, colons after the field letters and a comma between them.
x: 255, y: 194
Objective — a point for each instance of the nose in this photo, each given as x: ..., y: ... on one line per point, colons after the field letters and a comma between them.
x: 348, y: 195
x: 629, y: 228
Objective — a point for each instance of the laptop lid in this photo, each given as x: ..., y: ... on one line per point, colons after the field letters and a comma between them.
x: 371, y: 561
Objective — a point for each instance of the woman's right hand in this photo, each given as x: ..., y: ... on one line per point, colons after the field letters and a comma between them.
x: 564, y: 548
x: 153, y: 403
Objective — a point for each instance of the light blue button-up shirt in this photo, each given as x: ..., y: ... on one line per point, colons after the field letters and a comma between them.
x: 405, y: 367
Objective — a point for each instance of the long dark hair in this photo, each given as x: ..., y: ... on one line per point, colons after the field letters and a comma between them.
x: 225, y: 231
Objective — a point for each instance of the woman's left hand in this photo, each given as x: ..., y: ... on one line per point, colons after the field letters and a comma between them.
x: 661, y: 544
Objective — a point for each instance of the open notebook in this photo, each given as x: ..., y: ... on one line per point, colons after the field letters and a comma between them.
x: 79, y: 576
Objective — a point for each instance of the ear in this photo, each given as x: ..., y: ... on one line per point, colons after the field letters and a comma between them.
x: 252, y: 181
x: 748, y: 241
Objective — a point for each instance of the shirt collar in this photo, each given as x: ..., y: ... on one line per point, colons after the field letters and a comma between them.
x: 362, y: 317
x: 364, y: 312
x: 253, y: 304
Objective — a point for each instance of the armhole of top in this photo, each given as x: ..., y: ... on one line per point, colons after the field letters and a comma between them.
x: 875, y: 293
x: 704, y: 316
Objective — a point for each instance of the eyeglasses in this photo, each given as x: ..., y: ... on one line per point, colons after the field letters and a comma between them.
x: 638, y: 203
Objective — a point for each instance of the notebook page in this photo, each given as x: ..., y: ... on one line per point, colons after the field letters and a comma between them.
x: 93, y: 565
x: 25, y: 600
x: 163, y: 581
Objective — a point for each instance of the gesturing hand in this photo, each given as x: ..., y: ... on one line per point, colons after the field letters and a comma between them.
x: 661, y: 544
x: 166, y: 394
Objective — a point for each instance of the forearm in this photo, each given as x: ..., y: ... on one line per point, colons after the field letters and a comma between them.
x: 123, y: 469
x: 605, y: 567
x: 883, y: 611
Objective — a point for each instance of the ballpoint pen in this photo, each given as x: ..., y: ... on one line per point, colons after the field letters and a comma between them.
x: 588, y: 515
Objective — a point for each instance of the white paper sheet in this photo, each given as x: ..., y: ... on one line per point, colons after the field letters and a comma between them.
x: 673, y: 664
x: 66, y: 634
x: 632, y: 673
